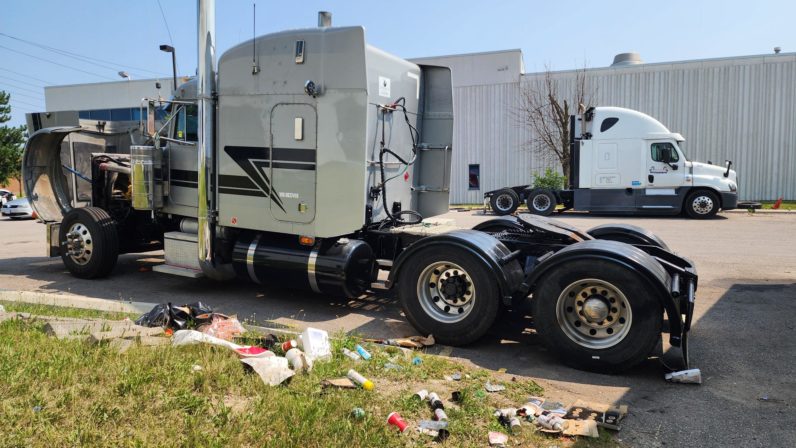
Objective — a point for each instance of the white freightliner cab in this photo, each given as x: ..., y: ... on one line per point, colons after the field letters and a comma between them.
x: 625, y: 161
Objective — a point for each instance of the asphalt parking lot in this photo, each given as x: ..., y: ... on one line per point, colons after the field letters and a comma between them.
x: 742, y: 338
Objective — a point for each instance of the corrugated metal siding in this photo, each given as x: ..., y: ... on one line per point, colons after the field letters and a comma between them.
x: 740, y: 109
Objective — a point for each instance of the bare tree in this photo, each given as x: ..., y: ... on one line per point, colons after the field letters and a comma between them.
x: 545, y: 109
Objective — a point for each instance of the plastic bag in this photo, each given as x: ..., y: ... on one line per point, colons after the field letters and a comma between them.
x: 167, y: 315
x: 223, y: 327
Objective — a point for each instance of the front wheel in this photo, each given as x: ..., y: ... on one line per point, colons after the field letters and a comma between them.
x: 541, y: 201
x: 702, y: 204
x: 597, y: 315
x: 450, y: 293
x: 89, y: 242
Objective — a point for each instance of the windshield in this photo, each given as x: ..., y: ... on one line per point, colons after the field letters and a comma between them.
x: 680, y: 145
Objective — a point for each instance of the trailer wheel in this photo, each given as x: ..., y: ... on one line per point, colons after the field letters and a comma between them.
x: 89, y: 242
x: 504, y: 202
x: 702, y: 204
x: 450, y: 293
x: 597, y: 315
x: 541, y: 201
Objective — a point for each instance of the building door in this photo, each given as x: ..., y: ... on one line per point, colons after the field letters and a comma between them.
x: 293, y: 162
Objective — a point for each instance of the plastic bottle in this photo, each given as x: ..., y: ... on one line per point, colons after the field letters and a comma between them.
x: 354, y: 376
x: 362, y: 352
x: 352, y: 355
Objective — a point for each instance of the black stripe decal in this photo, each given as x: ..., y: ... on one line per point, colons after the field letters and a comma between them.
x: 250, y: 160
x: 184, y: 175
x: 256, y: 193
x: 277, y: 154
x: 179, y: 183
x: 226, y: 180
x: 295, y: 166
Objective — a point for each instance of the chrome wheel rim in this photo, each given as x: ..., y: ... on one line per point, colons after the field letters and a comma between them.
x: 541, y: 202
x: 702, y: 205
x: 504, y: 202
x: 446, y: 292
x: 594, y: 314
x: 79, y: 243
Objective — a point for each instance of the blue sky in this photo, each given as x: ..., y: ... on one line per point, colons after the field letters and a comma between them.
x: 125, y: 35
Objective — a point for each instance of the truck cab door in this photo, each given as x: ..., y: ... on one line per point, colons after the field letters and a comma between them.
x: 293, y: 162
x: 666, y: 172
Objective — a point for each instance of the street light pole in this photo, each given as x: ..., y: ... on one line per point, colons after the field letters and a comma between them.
x: 170, y: 49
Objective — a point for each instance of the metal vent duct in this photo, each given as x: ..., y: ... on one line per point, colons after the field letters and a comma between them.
x: 324, y: 19
x: 623, y: 59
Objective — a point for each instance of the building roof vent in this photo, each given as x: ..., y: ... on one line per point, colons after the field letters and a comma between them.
x: 623, y: 59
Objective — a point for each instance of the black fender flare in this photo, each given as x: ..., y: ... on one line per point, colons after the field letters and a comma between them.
x: 651, y: 271
x: 510, y: 222
x: 627, y: 233
x: 501, y: 261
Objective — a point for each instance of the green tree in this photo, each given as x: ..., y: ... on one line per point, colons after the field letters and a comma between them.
x: 11, y: 140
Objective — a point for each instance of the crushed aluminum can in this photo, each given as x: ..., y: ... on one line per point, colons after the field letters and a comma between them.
x: 439, y: 414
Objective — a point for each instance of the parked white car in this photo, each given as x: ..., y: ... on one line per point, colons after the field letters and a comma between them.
x: 5, y: 196
x: 18, y: 208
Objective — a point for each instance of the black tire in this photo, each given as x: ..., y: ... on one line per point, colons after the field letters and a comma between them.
x: 627, y: 233
x: 639, y: 332
x: 99, y: 240
x: 504, y: 202
x: 485, y: 295
x: 701, y: 204
x: 541, y: 201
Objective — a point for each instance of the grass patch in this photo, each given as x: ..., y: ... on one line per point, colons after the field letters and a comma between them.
x: 64, y: 311
x: 72, y: 393
x: 786, y: 205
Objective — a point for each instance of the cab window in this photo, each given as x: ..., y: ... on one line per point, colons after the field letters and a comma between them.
x: 659, y: 148
x: 186, y: 124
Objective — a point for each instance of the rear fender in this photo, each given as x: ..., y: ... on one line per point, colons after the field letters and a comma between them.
x: 650, y: 271
x: 501, y: 262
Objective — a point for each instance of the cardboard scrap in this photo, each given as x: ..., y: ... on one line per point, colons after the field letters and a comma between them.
x: 340, y: 383
x: 497, y: 439
x: 602, y: 414
x: 587, y: 428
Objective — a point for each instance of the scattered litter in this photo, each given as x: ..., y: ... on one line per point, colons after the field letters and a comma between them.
x: 494, y: 387
x: 249, y: 352
x: 297, y: 360
x: 413, y: 342
x: 442, y: 435
x: 690, y: 376
x: 447, y: 377
x: 340, y: 383
x: 2, y: 309
x: 287, y: 345
x: 315, y: 344
x: 456, y: 396
x: 362, y: 352
x: 440, y: 415
x: 550, y: 422
x: 354, y: 376
x: 392, y: 366
x: 396, y: 420
x: 586, y: 428
x: 422, y: 395
x: 269, y: 341
x: 358, y: 413
x: 457, y: 376
x: 187, y: 337
x: 273, y: 370
x: 167, y: 315
x: 222, y: 327
x: 196, y: 368
x: 497, y: 439
x: 353, y: 355
x: 480, y: 394
x: 37, y: 408
x: 435, y: 425
x: 428, y: 432
x: 602, y: 414
x: 416, y: 361
x: 434, y: 401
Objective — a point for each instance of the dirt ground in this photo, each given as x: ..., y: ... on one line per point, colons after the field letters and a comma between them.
x: 741, y: 338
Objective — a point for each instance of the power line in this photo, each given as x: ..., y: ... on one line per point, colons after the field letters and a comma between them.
x: 19, y: 87
x: 27, y: 83
x: 23, y: 94
x: 26, y: 103
x: 81, y: 57
x: 26, y: 76
x: 56, y: 63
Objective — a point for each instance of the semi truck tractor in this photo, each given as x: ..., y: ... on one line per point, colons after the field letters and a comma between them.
x: 310, y: 159
x: 624, y: 161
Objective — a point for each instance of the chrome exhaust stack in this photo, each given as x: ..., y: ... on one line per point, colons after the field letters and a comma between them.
x: 206, y: 145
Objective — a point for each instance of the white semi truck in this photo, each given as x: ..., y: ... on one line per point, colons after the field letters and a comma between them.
x: 624, y: 161
x: 310, y: 159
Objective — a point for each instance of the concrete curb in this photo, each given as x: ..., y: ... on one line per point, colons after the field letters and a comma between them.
x: 760, y: 211
x: 69, y: 301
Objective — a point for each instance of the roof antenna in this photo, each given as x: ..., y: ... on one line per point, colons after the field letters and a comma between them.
x: 255, y: 66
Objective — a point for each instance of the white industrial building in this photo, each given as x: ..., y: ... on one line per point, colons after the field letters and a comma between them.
x: 740, y: 108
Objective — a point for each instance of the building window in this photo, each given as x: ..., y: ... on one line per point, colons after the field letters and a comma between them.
x: 474, y: 176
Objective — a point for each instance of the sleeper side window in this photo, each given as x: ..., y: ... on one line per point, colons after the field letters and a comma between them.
x: 659, y: 148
